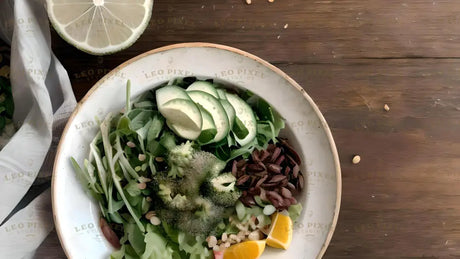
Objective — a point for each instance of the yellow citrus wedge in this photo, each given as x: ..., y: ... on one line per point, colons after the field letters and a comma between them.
x: 245, y: 250
x: 280, y: 235
x: 100, y: 27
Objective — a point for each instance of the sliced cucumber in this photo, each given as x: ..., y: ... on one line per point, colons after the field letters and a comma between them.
x: 208, y: 129
x: 217, y: 111
x: 182, y: 131
x: 229, y: 110
x: 221, y: 92
x: 203, y: 86
x: 245, y: 114
x: 239, y: 129
x: 168, y: 93
x: 183, y: 116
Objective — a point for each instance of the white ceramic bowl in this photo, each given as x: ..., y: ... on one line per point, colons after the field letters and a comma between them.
x: 76, y: 214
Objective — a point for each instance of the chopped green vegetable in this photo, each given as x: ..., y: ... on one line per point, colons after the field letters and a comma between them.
x: 239, y: 129
x: 294, y: 211
x: 222, y: 190
x: 179, y: 159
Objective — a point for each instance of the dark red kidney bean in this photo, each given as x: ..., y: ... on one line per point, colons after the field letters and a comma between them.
x: 109, y: 234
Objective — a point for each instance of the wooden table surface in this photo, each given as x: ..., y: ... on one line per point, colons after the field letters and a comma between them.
x: 352, y: 57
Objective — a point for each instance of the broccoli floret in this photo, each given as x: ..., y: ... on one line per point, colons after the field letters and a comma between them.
x: 202, y: 166
x: 179, y: 159
x: 205, y: 208
x: 191, y: 203
x: 217, y: 167
x: 202, y: 220
x: 180, y: 202
x: 173, y: 200
x: 167, y: 215
x: 222, y: 190
x: 206, y: 164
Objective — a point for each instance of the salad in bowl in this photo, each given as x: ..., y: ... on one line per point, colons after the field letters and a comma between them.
x: 196, y: 150
x: 193, y: 169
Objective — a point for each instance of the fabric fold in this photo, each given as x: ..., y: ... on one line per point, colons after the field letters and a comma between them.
x: 43, y: 100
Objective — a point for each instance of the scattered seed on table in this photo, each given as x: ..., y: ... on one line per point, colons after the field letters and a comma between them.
x: 356, y: 159
x: 248, y: 1
x: 386, y: 107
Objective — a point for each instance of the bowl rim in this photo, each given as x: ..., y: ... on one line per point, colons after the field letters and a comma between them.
x: 220, y: 47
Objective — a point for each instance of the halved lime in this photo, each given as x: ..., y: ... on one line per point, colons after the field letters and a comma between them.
x: 100, y: 27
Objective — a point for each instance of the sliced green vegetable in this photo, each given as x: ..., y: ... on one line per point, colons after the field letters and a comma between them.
x: 230, y: 111
x: 221, y: 93
x: 104, y: 127
x: 245, y: 114
x: 203, y: 86
x: 239, y: 129
x: 208, y: 129
x: 183, y: 117
x: 167, y: 93
x: 217, y: 111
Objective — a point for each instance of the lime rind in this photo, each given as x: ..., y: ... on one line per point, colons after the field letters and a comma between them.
x: 99, y: 50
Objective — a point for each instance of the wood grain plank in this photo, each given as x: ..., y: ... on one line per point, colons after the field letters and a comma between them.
x: 318, y: 31
x: 50, y: 248
x: 402, y: 199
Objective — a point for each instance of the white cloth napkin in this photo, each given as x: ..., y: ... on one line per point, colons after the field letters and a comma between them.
x: 43, y: 100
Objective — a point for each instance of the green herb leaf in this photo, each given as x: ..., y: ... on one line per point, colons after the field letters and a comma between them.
x: 104, y: 127
x: 119, y: 254
x: 155, y: 148
x: 132, y: 188
x: 168, y: 140
x: 156, y: 245
x: 264, y: 110
x: 9, y: 106
x: 135, y: 238
x: 155, y: 128
x: 123, y: 125
x: 140, y: 119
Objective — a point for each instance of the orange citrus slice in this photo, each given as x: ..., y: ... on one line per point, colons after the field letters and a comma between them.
x: 245, y: 250
x: 280, y: 235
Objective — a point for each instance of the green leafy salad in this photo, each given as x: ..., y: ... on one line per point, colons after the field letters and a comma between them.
x: 189, y: 169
